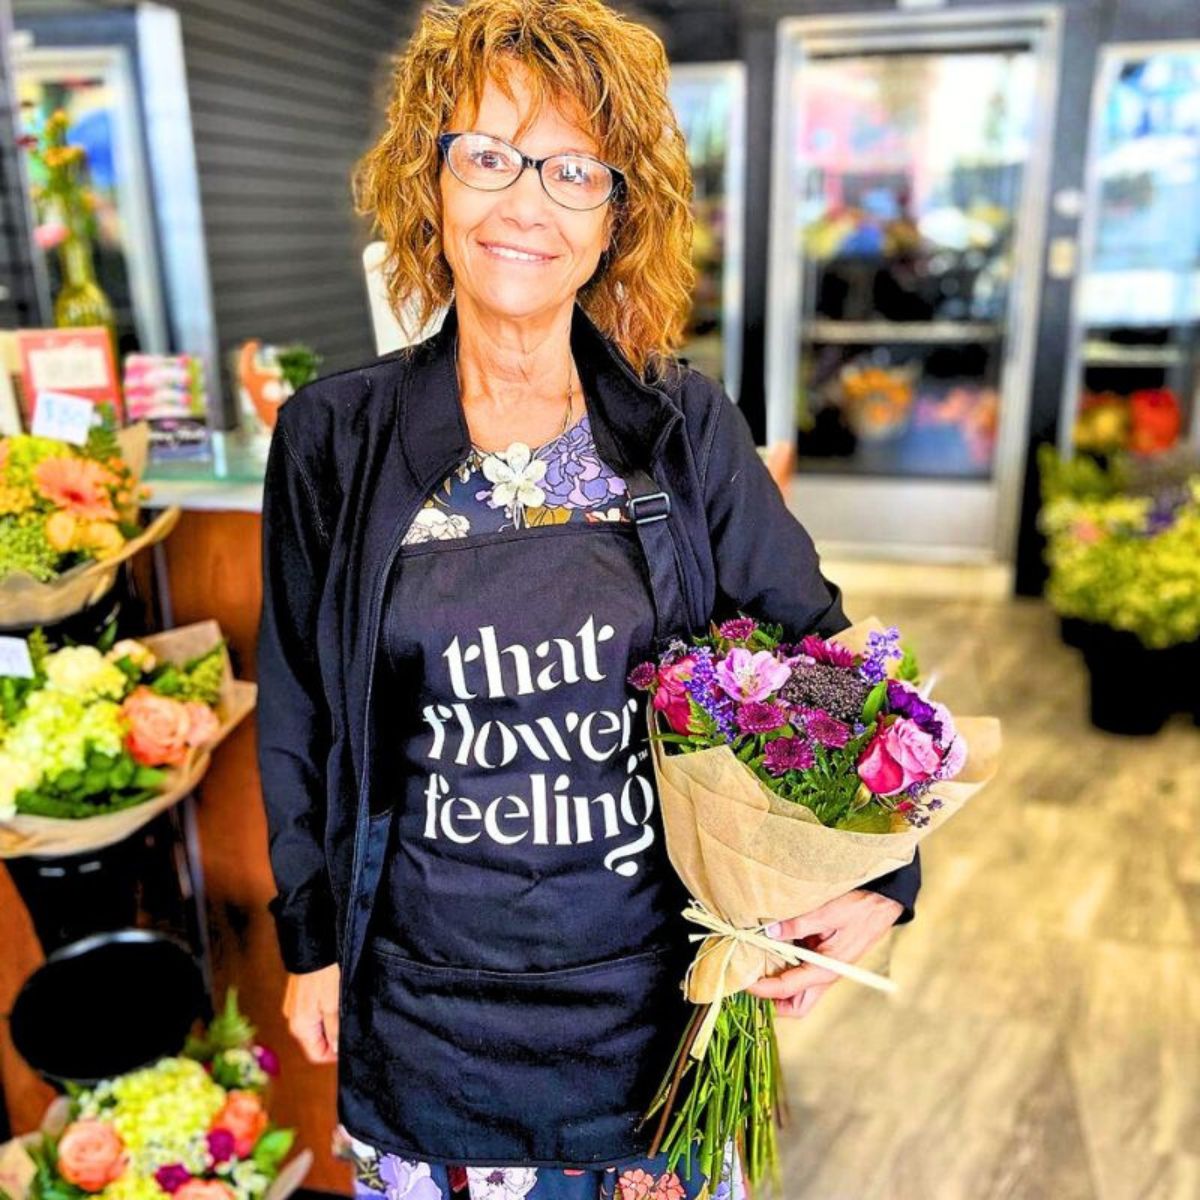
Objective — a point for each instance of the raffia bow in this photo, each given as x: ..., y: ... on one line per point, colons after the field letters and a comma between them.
x: 724, y: 938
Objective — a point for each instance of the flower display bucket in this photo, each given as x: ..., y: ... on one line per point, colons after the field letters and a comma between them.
x: 107, y: 1004
x: 1133, y: 689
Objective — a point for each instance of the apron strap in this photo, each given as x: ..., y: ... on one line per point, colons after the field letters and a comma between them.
x: 649, y: 507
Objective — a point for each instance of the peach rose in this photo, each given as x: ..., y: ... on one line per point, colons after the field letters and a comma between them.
x: 244, y: 1117
x: 91, y: 1155
x: 202, y: 723
x: 204, y: 1189
x: 158, y: 728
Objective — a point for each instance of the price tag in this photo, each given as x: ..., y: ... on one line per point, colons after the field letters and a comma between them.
x: 14, y: 658
x: 62, y: 416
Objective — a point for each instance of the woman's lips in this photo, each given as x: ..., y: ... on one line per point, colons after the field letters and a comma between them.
x: 512, y: 255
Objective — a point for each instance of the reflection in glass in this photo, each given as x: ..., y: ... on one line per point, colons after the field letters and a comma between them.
x: 709, y: 103
x: 907, y: 170
x: 1134, y: 382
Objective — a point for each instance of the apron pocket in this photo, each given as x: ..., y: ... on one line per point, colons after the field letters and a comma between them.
x: 549, y: 1068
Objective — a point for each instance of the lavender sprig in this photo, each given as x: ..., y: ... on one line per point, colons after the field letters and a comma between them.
x: 881, y: 646
x: 703, y: 688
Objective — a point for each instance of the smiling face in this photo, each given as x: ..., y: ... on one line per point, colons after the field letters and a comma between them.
x: 488, y: 237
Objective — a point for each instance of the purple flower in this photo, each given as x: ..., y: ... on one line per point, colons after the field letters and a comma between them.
x: 905, y: 701
x: 755, y: 716
x: 746, y: 676
x: 738, y: 629
x: 220, y: 1145
x: 643, y: 676
x: 172, y: 1177
x: 267, y: 1059
x: 788, y: 754
x: 702, y: 687
x: 880, y: 648
x: 819, y: 650
x: 575, y: 476
x: 406, y: 1179
x: 826, y: 730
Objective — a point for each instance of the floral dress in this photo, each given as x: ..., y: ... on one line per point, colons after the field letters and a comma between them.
x: 562, y: 480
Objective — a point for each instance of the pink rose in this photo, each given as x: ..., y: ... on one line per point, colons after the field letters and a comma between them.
x: 204, y: 1189
x: 899, y: 755
x: 158, y: 728
x: 202, y: 723
x: 671, y: 698
x: 91, y: 1155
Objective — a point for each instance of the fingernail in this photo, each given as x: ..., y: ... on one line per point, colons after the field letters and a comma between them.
x: 774, y: 929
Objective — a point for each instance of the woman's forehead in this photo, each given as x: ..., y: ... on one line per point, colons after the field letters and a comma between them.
x: 554, y: 126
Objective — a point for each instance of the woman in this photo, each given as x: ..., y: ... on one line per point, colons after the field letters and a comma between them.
x: 467, y: 546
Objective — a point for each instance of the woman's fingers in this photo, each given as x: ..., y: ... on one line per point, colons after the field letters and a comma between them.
x: 803, y: 1003
x: 792, y: 981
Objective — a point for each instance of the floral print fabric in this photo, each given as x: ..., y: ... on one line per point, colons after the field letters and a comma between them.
x: 519, y: 488
x: 382, y: 1176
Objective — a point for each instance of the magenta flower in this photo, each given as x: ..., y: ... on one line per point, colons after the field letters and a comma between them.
x: 172, y: 1177
x: 819, y: 650
x: 898, y: 756
x: 787, y: 754
x: 746, y: 676
x: 267, y: 1059
x: 826, y: 730
x: 220, y: 1145
x: 738, y: 629
x: 642, y: 676
x: 755, y: 716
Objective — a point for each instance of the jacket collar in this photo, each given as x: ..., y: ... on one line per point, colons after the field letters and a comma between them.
x: 628, y: 416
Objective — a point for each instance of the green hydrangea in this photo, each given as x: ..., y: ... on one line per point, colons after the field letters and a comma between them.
x: 83, y: 671
x: 56, y: 730
x: 25, y: 451
x: 23, y: 547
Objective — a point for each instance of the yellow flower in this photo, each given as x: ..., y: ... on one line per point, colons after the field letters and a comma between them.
x: 102, y: 538
x: 62, y: 529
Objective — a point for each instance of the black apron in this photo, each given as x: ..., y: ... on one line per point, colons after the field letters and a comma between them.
x: 519, y: 997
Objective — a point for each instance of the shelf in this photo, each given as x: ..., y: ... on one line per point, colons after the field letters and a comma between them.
x: 1107, y: 354
x: 933, y: 332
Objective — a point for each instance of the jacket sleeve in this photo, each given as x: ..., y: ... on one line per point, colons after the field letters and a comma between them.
x: 767, y: 567
x: 293, y: 718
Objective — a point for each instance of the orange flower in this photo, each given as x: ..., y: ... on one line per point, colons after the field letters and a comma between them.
x: 91, y: 1155
x: 61, y: 528
x: 158, y: 728
x: 102, y: 538
x: 669, y: 1187
x: 204, y: 1189
x: 244, y: 1117
x: 78, y: 485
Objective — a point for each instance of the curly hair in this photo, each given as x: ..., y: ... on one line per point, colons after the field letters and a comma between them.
x: 578, y: 54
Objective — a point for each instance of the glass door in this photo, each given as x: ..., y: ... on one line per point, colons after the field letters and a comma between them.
x: 1132, y: 376
x: 910, y: 178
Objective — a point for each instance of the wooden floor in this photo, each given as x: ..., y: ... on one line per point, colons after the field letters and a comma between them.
x: 1045, y: 1040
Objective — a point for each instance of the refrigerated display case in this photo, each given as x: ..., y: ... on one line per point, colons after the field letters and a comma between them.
x: 1132, y: 373
x: 911, y: 169
x: 710, y: 104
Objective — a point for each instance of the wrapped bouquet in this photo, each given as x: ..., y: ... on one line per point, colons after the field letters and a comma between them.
x: 789, y: 774
x: 97, y: 740
x: 68, y: 518
x: 193, y: 1127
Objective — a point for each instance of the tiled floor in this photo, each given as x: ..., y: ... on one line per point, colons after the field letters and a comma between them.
x: 1045, y: 1041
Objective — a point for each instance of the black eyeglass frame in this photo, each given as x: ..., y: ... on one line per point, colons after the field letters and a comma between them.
x: 446, y: 140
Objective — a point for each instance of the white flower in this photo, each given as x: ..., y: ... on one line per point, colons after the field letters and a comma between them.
x: 15, y: 775
x: 434, y: 524
x: 501, y: 1183
x: 515, y: 473
x: 82, y: 671
x: 139, y: 654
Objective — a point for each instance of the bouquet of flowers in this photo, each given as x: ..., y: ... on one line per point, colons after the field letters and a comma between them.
x: 98, y: 739
x: 788, y: 775
x: 68, y: 517
x: 193, y: 1127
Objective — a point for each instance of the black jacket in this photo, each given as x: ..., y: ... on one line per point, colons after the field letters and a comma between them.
x: 353, y: 457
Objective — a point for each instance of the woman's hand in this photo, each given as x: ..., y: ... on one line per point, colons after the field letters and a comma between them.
x: 844, y: 928
x: 310, y: 1004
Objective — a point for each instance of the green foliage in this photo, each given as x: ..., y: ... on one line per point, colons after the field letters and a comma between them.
x: 200, y: 679
x: 299, y: 364
x: 228, y: 1030
x: 272, y: 1148
x: 107, y: 783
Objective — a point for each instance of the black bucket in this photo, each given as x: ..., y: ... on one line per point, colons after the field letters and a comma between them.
x: 107, y: 1004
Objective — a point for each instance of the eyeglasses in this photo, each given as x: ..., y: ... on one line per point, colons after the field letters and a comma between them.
x: 491, y: 164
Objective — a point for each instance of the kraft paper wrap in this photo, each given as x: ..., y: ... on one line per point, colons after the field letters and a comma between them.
x: 751, y: 858
x: 52, y: 836
x: 25, y: 601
